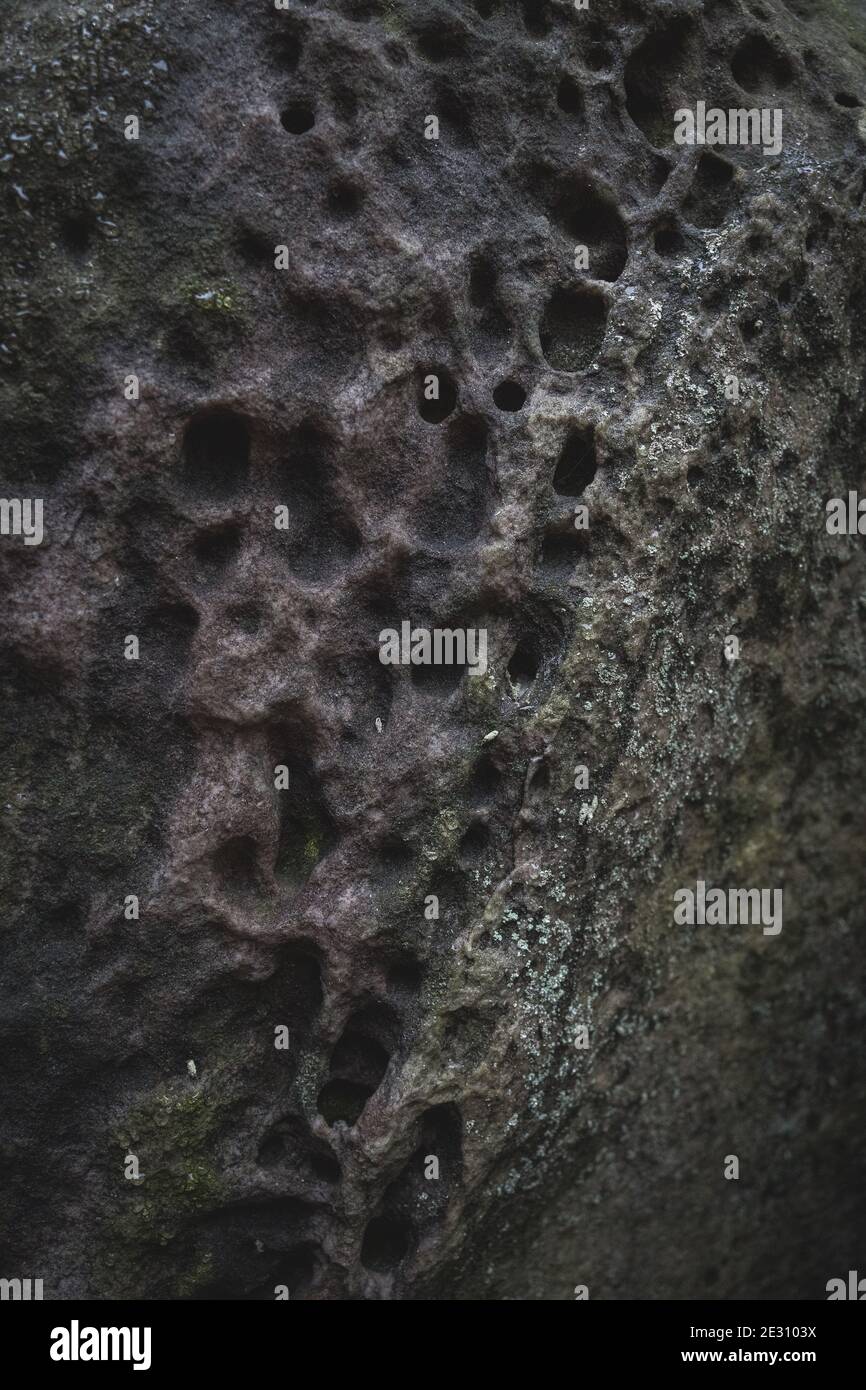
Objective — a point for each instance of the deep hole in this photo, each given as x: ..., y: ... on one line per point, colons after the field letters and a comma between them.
x: 749, y: 329
x: 297, y: 118
x: 591, y: 218
x: 598, y: 58
x: 271, y: 1151
x: 561, y: 550
x: 235, y: 863
x: 359, y: 1058
x: 536, y: 18
x: 216, y: 451
x: 482, y: 283
x: 324, y: 1168
x: 385, y: 1243
x: 254, y: 247
x: 288, y: 48
x: 474, y: 842
x: 652, y: 80
x: 307, y: 832
x: 846, y: 99
x: 694, y: 476
x: 405, y: 974
x: 758, y: 67
x: 509, y: 395
x: 572, y: 329
x: 434, y: 408
x: 344, y: 200
x: 343, y: 1100
x: 440, y: 42
x: 295, y: 1270
x: 524, y: 665
x: 77, y: 232
x: 216, y: 548
x: 486, y: 778
x: 709, y: 196
x: 713, y: 171
x: 668, y: 239
x: 569, y: 97
x: 576, y: 467
x: 395, y: 855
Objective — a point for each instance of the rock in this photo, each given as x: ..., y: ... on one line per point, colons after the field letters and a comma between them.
x: 290, y: 363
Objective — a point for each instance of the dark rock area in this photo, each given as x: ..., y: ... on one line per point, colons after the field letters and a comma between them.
x: 698, y: 385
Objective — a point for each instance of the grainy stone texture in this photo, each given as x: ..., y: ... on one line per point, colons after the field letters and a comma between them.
x: 306, y: 908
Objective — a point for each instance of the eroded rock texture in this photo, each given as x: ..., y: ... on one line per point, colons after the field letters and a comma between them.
x: 304, y: 909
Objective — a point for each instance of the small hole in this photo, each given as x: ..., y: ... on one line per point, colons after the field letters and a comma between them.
x: 216, y: 450
x: 598, y: 58
x: 486, y: 778
x: 324, y: 1168
x: 385, y: 1244
x: 344, y: 200
x: 668, y: 240
x: 523, y: 666
x: 217, y: 548
x: 568, y: 96
x: 846, y: 99
x: 298, y: 118
x: 694, y: 477
x: 343, y: 1101
x: 405, y: 974
x: 577, y: 465
x: 509, y: 395
x: 437, y: 395
x: 77, y: 232
x: 474, y: 842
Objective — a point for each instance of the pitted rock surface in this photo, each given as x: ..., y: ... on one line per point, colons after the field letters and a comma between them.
x: 308, y: 909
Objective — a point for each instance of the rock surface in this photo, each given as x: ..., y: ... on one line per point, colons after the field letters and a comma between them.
x: 308, y: 909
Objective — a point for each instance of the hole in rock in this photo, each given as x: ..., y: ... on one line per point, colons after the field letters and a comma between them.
x: 344, y: 199
x: 486, y: 778
x: 590, y: 218
x: 524, y: 664
x: 846, y: 99
x: 405, y: 974
x: 385, y: 1244
x: 343, y: 1101
x: 668, y: 239
x: 569, y: 97
x: 577, y: 465
x: 758, y: 67
x: 77, y: 231
x: 437, y: 395
x: 652, y: 77
x: 441, y: 41
x: 474, y: 842
x: 216, y: 548
x: 297, y: 118
x: 572, y: 329
x: 216, y: 452
x: 509, y: 395
x: 236, y: 865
